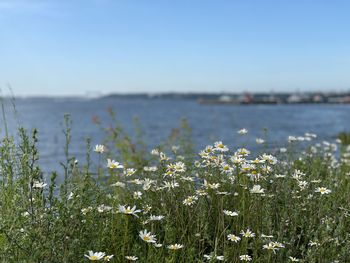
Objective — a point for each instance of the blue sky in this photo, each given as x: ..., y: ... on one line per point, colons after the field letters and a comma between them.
x: 91, y: 46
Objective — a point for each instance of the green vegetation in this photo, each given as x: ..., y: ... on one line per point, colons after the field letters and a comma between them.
x: 344, y: 138
x: 174, y: 205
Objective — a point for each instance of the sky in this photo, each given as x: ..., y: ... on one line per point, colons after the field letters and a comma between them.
x: 95, y: 47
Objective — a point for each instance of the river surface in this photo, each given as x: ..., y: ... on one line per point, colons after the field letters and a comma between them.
x: 159, y: 116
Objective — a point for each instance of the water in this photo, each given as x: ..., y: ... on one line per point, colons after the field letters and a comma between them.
x: 159, y: 116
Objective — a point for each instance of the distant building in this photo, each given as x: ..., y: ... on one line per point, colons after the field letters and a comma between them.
x: 335, y: 99
x: 294, y: 98
x: 245, y: 98
x: 271, y: 99
x: 346, y: 99
x: 225, y: 98
x: 318, y: 98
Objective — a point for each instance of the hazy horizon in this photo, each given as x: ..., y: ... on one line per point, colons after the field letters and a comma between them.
x: 79, y: 48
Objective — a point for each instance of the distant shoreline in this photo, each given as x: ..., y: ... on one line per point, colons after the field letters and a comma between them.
x: 222, y: 98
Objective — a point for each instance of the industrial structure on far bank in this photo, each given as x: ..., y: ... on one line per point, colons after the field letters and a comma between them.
x: 248, y: 98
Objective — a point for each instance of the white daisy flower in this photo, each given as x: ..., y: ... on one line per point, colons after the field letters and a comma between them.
x: 171, y: 185
x: 94, y: 256
x: 283, y: 150
x: 242, y: 152
x: 245, y: 258
x: 210, y: 186
x: 259, y: 141
x: 128, y: 210
x: 230, y: 213
x: 257, y: 189
x: 39, y: 185
x: 155, y: 152
x: 108, y: 258
x: 131, y: 258
x: 119, y: 184
x: 269, y: 158
x: 99, y: 148
x: 247, y: 233
x: 155, y: 218
x: 111, y: 164
x: 210, y: 257
x: 274, y: 246
x: 280, y: 175
x: 233, y: 238
x: 129, y: 171
x: 175, y: 246
x: 137, y: 195
x: 323, y: 190
x: 292, y: 139
x: 220, y: 147
x: 190, y: 200
x: 225, y: 168
x: 150, y: 168
x: 147, y: 236
x: 314, y: 244
x: 242, y: 131
x: 104, y: 208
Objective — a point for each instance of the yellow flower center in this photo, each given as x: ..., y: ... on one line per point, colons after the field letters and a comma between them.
x: 94, y: 258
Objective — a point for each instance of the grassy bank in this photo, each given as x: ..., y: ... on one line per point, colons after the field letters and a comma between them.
x: 176, y: 205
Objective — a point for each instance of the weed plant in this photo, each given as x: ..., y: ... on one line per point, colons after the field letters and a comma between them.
x: 173, y: 204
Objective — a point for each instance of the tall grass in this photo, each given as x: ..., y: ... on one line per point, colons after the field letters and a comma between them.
x: 222, y: 204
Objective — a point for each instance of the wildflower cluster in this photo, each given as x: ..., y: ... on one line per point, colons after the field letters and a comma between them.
x: 222, y: 204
